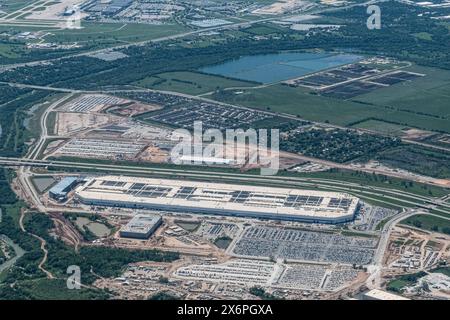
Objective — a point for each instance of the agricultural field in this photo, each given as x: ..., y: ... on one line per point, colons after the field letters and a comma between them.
x: 13, y: 5
x: 381, y: 126
x: 114, y: 33
x: 10, y: 51
x: 190, y: 82
x: 301, y: 102
x: 426, y: 95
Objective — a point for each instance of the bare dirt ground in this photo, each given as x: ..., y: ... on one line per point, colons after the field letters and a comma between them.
x: 416, y: 134
x: 155, y: 155
x: 68, y: 123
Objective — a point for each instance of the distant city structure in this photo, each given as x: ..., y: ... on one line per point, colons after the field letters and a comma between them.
x: 59, y: 191
x: 142, y: 226
x: 219, y: 199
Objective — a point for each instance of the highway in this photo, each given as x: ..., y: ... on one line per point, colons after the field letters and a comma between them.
x: 385, y: 195
x: 382, y: 171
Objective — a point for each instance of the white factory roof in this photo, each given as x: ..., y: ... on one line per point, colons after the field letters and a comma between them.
x: 383, y: 295
x: 218, y: 196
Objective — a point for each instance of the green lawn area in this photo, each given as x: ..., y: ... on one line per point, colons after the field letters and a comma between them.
x: 264, y: 29
x: 11, y: 51
x: 298, y: 101
x: 367, y: 179
x: 423, y: 36
x: 429, y: 223
x: 397, y: 285
x: 190, y: 82
x: 402, y: 281
x: 13, y: 5
x: 116, y: 32
x: 381, y: 126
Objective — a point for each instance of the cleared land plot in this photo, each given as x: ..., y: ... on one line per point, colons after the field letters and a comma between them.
x: 190, y: 82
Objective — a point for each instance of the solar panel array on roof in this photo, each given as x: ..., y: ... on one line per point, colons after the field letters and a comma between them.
x: 184, y: 192
x: 113, y: 183
x: 299, y: 200
x: 149, y: 191
x: 342, y: 203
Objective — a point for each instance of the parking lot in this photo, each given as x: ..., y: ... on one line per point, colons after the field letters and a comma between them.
x: 299, y: 245
x: 88, y: 103
x: 211, y: 115
x: 101, y: 148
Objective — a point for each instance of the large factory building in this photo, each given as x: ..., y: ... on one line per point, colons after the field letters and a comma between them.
x: 218, y: 199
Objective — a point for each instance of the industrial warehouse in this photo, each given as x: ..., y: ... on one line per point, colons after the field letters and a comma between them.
x: 218, y: 199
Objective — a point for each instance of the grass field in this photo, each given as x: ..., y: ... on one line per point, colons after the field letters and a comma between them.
x: 115, y: 32
x: 429, y: 223
x: 13, y: 5
x: 381, y: 126
x: 10, y: 51
x: 367, y: 179
x: 422, y: 103
x: 399, y: 283
x: 429, y: 94
x: 190, y: 82
x: 298, y: 101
